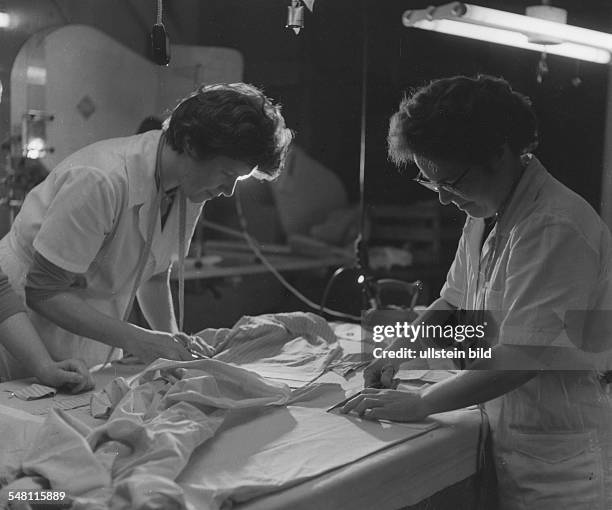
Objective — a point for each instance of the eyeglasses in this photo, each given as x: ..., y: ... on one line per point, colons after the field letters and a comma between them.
x: 449, y: 187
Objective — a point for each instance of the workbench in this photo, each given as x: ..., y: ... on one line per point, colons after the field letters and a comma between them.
x: 404, y: 474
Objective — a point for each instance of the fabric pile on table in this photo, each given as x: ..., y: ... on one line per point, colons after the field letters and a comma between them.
x: 294, y: 347
x: 158, y: 418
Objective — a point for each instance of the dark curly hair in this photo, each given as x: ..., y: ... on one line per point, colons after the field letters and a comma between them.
x: 462, y: 119
x: 235, y: 120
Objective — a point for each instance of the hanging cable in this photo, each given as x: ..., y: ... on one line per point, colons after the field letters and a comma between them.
x: 160, y: 10
x: 363, y: 265
x: 368, y: 284
x: 329, y: 285
x: 160, y: 42
x: 254, y: 245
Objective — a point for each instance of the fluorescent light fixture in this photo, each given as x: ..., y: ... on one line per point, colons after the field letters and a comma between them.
x: 501, y: 27
x: 5, y: 19
x: 515, y: 39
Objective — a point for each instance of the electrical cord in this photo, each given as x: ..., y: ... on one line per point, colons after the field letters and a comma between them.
x: 329, y: 285
x: 257, y: 251
x: 160, y: 10
x: 414, y: 288
x: 239, y: 233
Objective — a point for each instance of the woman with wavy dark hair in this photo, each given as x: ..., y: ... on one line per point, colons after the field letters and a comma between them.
x: 533, y: 271
x: 107, y: 222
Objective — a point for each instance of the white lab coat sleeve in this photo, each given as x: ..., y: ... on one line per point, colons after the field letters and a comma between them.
x: 79, y: 217
x: 455, y: 287
x: 552, y: 275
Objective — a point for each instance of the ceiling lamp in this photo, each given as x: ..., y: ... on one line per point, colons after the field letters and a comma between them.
x: 544, y: 29
x: 295, y: 14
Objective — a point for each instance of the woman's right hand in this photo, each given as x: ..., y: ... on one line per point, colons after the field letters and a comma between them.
x: 380, y: 373
x: 150, y: 345
x: 197, y: 346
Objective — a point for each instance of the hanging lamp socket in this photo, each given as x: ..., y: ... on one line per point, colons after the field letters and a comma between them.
x: 160, y: 45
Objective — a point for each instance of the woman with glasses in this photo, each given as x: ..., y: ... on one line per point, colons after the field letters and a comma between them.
x: 107, y: 222
x: 534, y: 266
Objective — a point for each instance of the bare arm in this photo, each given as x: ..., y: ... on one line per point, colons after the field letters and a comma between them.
x: 22, y: 341
x: 471, y: 387
x: 75, y: 315
x: 465, y: 389
x: 487, y: 378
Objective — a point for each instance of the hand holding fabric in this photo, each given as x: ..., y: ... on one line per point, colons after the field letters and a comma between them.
x: 379, y: 373
x: 394, y: 405
x: 150, y: 345
x: 197, y: 346
x: 72, y: 373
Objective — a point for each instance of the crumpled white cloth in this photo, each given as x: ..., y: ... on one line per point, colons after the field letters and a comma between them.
x: 294, y: 347
x: 158, y: 418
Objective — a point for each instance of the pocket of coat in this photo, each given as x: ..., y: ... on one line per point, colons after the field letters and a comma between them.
x: 555, y: 471
x: 493, y: 298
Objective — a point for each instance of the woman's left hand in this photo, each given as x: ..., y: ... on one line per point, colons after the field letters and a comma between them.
x: 394, y: 405
x: 69, y: 373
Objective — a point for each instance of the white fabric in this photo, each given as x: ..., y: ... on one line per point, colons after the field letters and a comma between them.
x: 131, y: 462
x: 281, y: 449
x: 293, y: 347
x: 17, y: 428
x: 413, y: 470
x: 543, y: 279
x: 134, y: 459
x: 90, y: 216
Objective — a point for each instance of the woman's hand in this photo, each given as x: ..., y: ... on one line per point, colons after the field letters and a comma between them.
x: 150, y: 345
x: 373, y: 404
x: 72, y: 373
x: 195, y: 345
x: 380, y: 373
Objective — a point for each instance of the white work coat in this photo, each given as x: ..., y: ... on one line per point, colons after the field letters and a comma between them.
x: 543, y: 278
x: 90, y: 216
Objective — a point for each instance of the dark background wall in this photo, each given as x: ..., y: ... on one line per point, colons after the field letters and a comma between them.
x: 318, y: 74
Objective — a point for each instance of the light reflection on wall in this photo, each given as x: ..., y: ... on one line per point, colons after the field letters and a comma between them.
x: 35, y: 148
